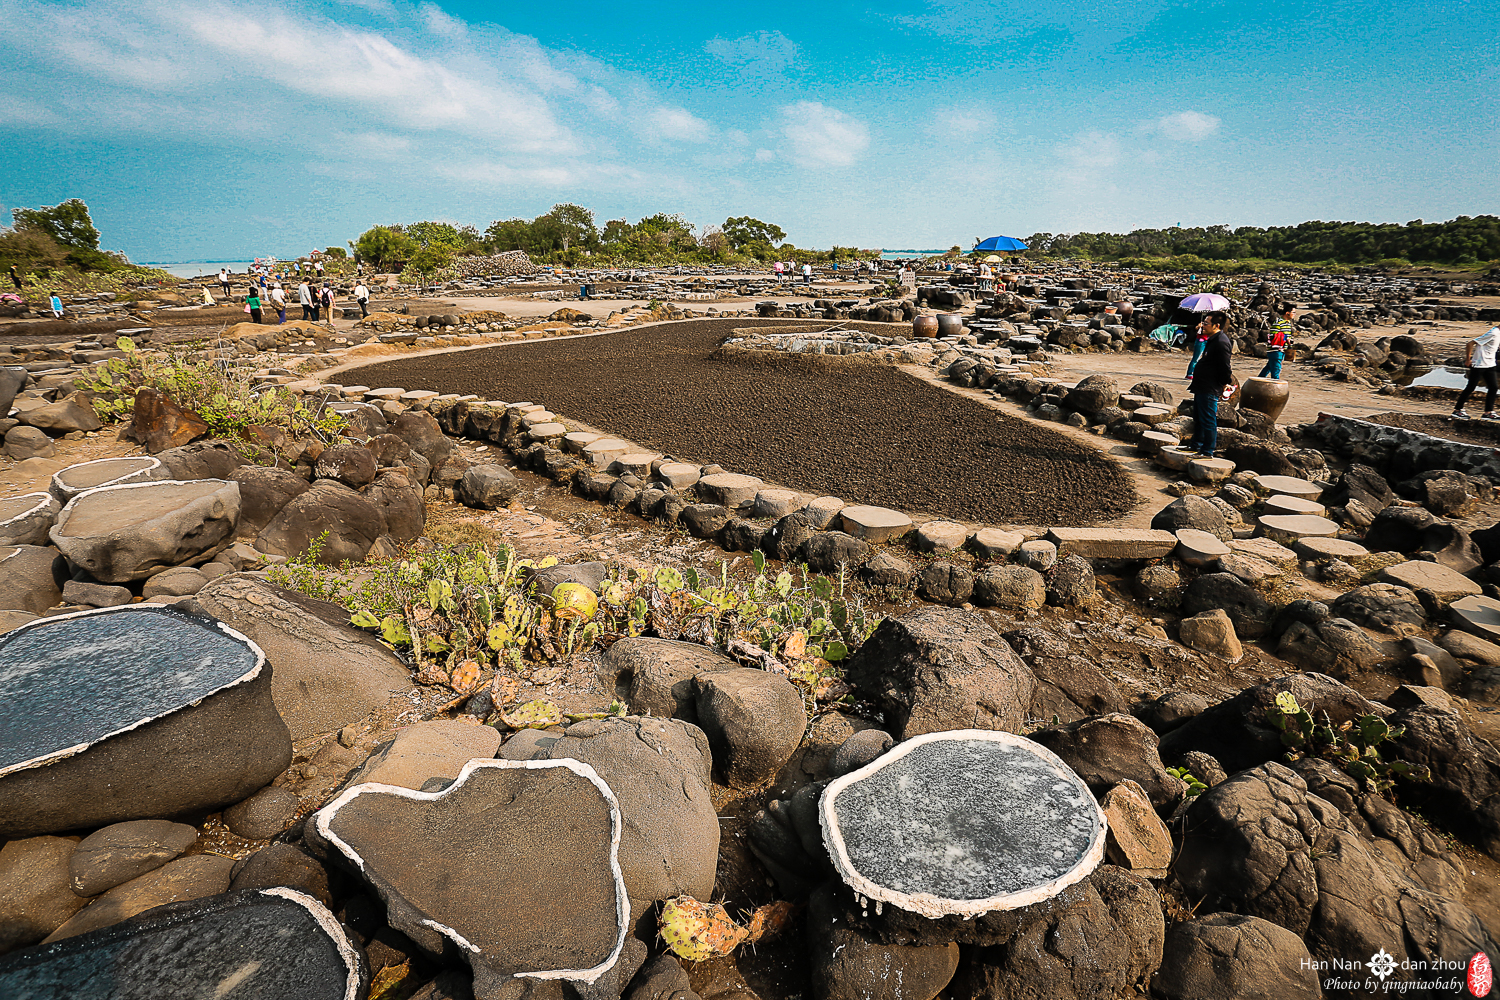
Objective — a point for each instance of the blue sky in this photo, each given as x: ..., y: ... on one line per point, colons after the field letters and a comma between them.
x: 218, y: 130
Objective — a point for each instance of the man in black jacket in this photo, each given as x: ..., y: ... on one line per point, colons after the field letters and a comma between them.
x: 1209, y: 379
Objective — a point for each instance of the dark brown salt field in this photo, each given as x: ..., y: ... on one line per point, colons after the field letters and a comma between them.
x: 862, y: 431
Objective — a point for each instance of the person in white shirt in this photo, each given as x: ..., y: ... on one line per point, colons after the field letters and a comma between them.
x: 362, y: 296
x: 807, y: 273
x: 1479, y: 355
x: 224, y: 280
x: 304, y: 296
x: 278, y: 298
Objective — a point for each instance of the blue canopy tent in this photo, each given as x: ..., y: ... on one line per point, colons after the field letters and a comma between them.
x: 1004, y: 244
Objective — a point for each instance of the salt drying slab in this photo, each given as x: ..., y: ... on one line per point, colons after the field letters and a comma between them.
x: 271, y: 944
x: 69, y: 681
x: 962, y: 822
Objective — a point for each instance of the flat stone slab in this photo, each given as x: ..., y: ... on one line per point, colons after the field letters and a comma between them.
x: 1174, y: 457
x: 577, y: 441
x: 534, y: 417
x: 1151, y: 414
x: 1318, y: 549
x: 1130, y: 401
x: 418, y: 397
x: 1152, y: 442
x: 93, y: 704
x: 1449, y: 585
x: 1264, y: 548
x: 515, y: 862
x: 605, y: 450
x: 678, y: 475
x: 995, y: 542
x: 390, y: 392
x: 1288, y: 528
x: 1199, y: 548
x: 822, y: 511
x: 1210, y: 470
x: 1289, y: 485
x: 873, y: 524
x: 1113, y: 543
x: 728, y: 489
x: 550, y: 430
x: 941, y: 536
x: 130, y: 532
x: 1285, y: 503
x: 635, y: 463
x: 778, y: 503
x: 1478, y: 614
x: 26, y: 519
x: 68, y: 483
x: 962, y: 822
x: 269, y: 944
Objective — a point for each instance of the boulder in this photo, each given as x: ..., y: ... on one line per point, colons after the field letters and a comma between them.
x: 1397, y: 529
x: 177, y: 718
x: 1464, y: 793
x: 1246, y: 608
x: 1093, y: 394
x: 1452, y: 547
x: 1010, y: 587
x: 1071, y: 582
x: 68, y: 483
x: 1384, y: 606
x: 1168, y: 711
x: 488, y: 487
x: 351, y: 464
x: 264, y: 491
x: 1192, y: 512
x: 193, y: 877
x: 850, y: 965
x: 282, y: 865
x: 266, y: 813
x: 124, y: 533
x: 1230, y: 956
x: 1212, y: 632
x: 351, y: 521
x: 754, y: 721
x: 211, y: 459
x: 1336, y: 645
x: 35, y: 896
x: 398, y: 500
x: 1363, y: 484
x: 832, y: 551
x: 703, y: 520
x: 25, y: 442
x: 63, y: 416
x: 438, y: 748
x: 159, y: 424
x: 31, y: 577
x: 170, y: 584
x: 888, y: 570
x: 327, y: 673
x: 421, y: 432
x: 936, y: 669
x: 1109, y: 749
x: 119, y: 852
x: 655, y: 676
x: 95, y: 595
x: 788, y: 535
x: 515, y: 861
x: 12, y: 380
x: 1068, y: 685
x: 945, y: 583
x: 1138, y: 840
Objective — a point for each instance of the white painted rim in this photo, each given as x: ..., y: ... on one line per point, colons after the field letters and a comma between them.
x: 67, y: 510
x: 324, y: 819
x: 44, y: 500
x: 927, y: 904
x: 61, y: 489
x: 332, y: 928
x: 56, y: 755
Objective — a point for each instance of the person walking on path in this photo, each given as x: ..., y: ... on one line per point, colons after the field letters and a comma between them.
x: 1479, y: 355
x: 278, y: 298
x: 1214, y: 373
x: 224, y: 281
x: 362, y: 296
x: 807, y: 274
x: 304, y: 297
x: 1277, y: 338
x: 15, y: 277
x: 253, y: 301
x: 326, y: 300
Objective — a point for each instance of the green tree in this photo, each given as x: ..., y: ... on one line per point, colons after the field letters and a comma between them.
x: 387, y: 247
x: 337, y: 252
x: 570, y: 225
x: 68, y: 223
x: 30, y: 250
x: 508, y: 234
x: 743, y: 231
x: 431, y: 258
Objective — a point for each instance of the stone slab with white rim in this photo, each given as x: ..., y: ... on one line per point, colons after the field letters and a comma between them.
x: 1478, y: 615
x: 26, y: 519
x: 1285, y: 503
x: 575, y: 442
x: 603, y: 451
x: 270, y: 944
x: 1113, y: 543
x: 873, y: 524
x: 1318, y: 549
x: 1199, y: 548
x: 1263, y: 548
x: 1288, y: 485
x: 728, y: 489
x: 516, y: 863
x: 823, y: 511
x: 130, y: 713
x: 68, y: 483
x: 129, y: 532
x: 962, y: 822
x: 941, y: 536
x: 678, y: 475
x: 1447, y: 584
x: 1288, y: 528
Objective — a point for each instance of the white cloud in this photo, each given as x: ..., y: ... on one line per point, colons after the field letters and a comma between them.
x: 764, y: 155
x: 960, y: 122
x: 821, y: 136
x: 1186, y: 126
x: 675, y: 123
x: 1088, y: 158
x: 441, y: 23
x: 763, y: 53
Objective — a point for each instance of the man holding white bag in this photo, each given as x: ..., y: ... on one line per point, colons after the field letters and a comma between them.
x: 1212, y: 376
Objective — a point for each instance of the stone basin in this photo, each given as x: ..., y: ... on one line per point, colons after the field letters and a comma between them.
x: 68, y: 483
x: 129, y: 532
x: 962, y: 822
x: 26, y: 519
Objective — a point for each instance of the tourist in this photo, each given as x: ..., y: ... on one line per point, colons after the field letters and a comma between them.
x: 779, y: 270
x: 278, y: 297
x: 252, y: 302
x: 1277, y: 338
x: 304, y: 296
x: 362, y: 296
x: 1479, y: 355
x: 807, y: 273
x: 327, y: 301
x: 57, y: 310
x: 1214, y: 374
x: 297, y: 267
x: 319, y: 266
x: 224, y: 281
x: 1197, y: 338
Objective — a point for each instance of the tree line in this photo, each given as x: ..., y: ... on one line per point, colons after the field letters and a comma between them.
x: 40, y: 240
x: 568, y: 235
x: 1463, y: 240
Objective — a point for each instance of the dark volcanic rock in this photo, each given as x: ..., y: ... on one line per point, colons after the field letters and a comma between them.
x: 1250, y: 612
x: 124, y: 533
x: 271, y: 945
x: 263, y: 492
x: 31, y: 577
x: 657, y: 674
x: 754, y: 721
x: 1226, y: 956
x: 351, y: 521
x: 1110, y: 749
x: 122, y: 851
x: 848, y: 965
x: 35, y: 898
x: 177, y: 717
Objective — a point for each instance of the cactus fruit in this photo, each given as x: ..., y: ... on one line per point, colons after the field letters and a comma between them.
x: 464, y: 677
x: 698, y: 931
x: 574, y: 601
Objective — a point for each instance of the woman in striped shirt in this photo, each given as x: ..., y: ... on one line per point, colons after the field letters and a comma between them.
x: 1277, y: 338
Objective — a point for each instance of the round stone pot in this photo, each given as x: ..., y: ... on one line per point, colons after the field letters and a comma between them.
x: 924, y: 326
x: 949, y: 324
x: 1268, y: 395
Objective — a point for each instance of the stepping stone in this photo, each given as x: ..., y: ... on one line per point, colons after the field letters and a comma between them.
x: 1251, y: 569
x: 552, y: 431
x: 1152, y: 414
x: 575, y: 442
x: 1285, y: 503
x: 1447, y: 584
x: 678, y: 475
x: 1210, y: 470
x: 1130, y: 401
x: 130, y: 532
x: 728, y: 489
x: 1264, y: 548
x: 1199, y: 548
x: 1321, y: 549
x: 76, y: 755
x: 384, y: 394
x: 1289, y: 485
x: 963, y: 822
x: 1174, y: 457
x: 1039, y: 554
x: 26, y: 519
x: 1288, y: 528
x: 635, y: 463
x: 68, y: 483
x: 270, y: 944
x: 941, y: 536
x: 1479, y: 616
x: 1113, y: 543
x: 821, y: 511
x: 778, y: 503
x: 603, y: 451
x: 993, y: 543
x: 873, y: 524
x: 534, y: 417
x: 418, y: 397
x: 516, y: 862
x: 1153, y: 442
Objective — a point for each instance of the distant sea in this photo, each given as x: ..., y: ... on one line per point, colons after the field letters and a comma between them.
x: 905, y: 254
x: 194, y: 268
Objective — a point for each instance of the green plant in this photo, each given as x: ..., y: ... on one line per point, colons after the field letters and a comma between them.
x: 1195, y: 786
x: 1353, y: 745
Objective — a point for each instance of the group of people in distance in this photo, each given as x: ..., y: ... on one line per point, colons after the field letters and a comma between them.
x: 316, y: 302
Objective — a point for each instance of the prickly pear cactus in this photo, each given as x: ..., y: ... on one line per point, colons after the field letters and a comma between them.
x: 698, y: 931
x: 668, y: 579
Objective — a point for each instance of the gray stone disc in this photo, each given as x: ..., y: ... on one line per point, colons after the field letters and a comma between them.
x: 962, y: 822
